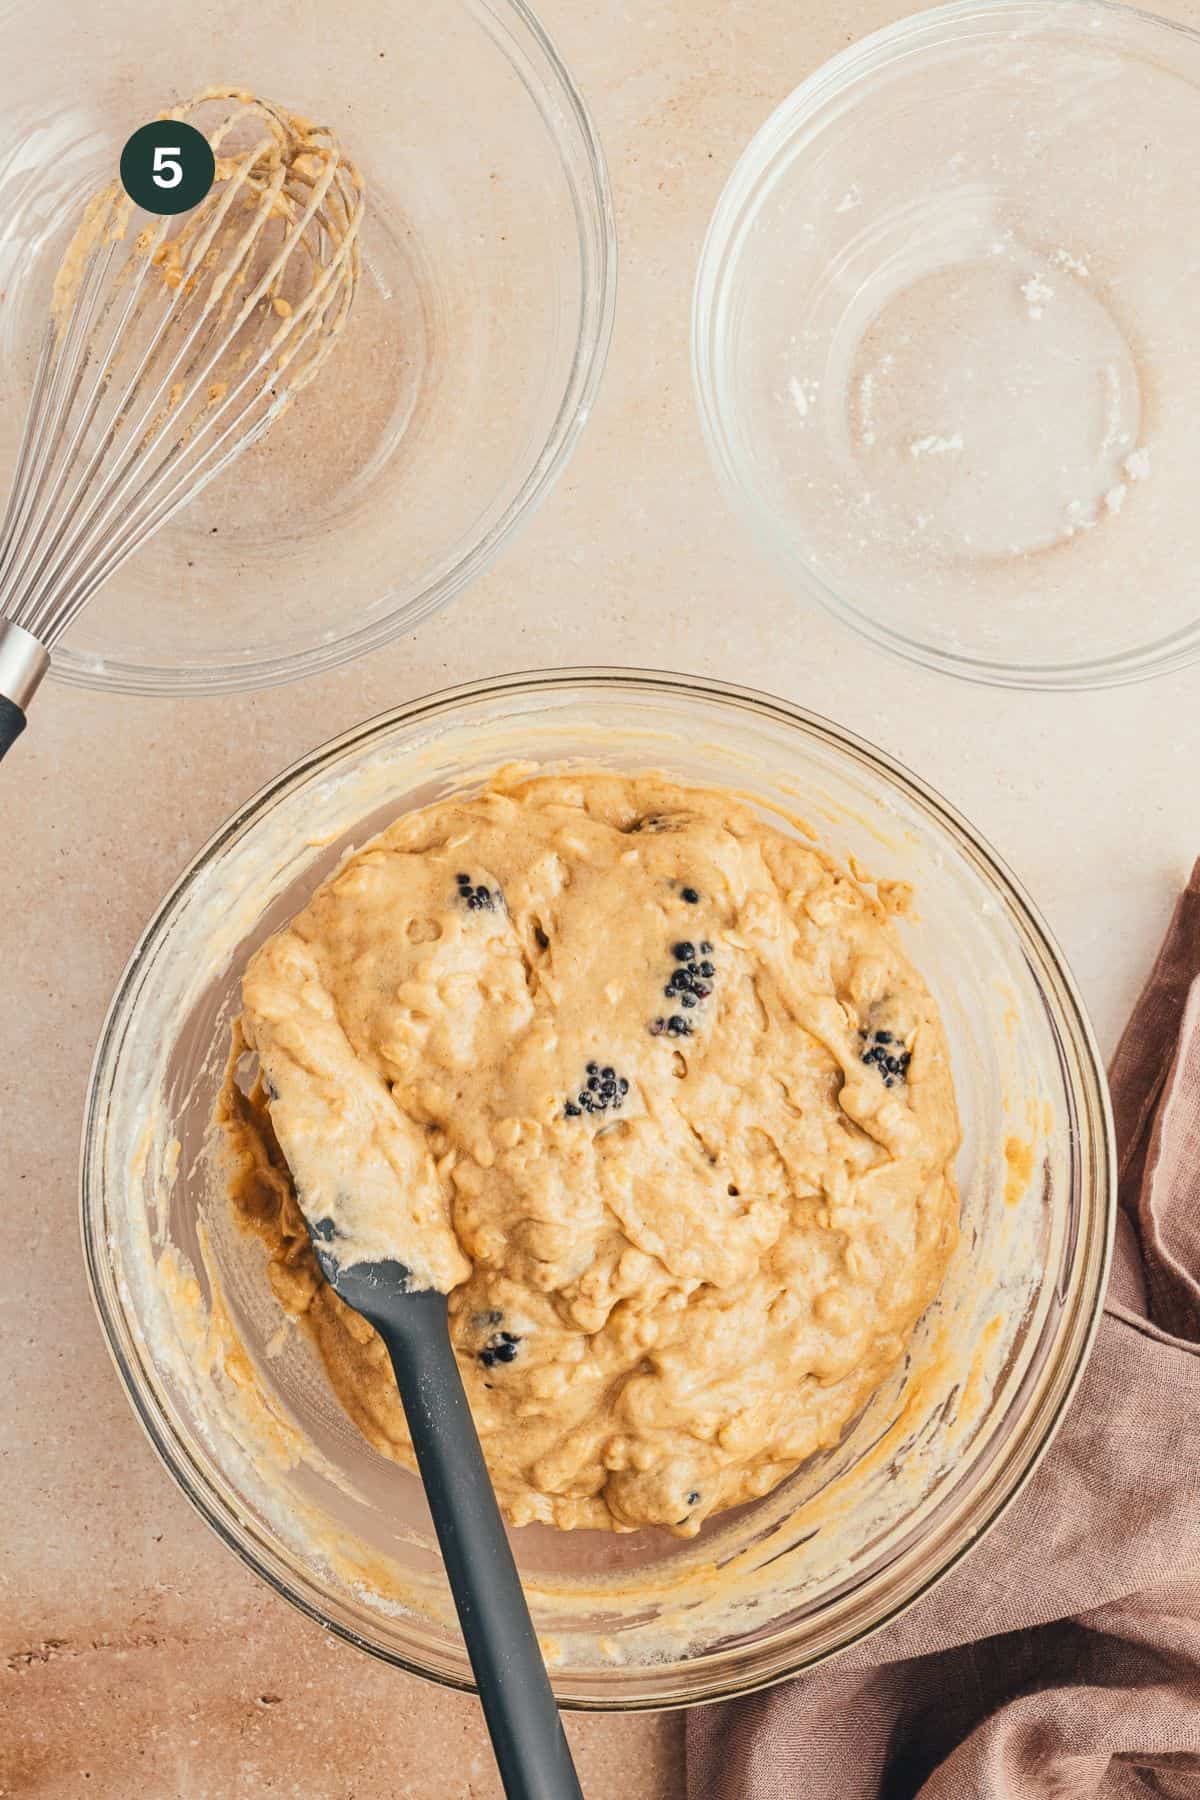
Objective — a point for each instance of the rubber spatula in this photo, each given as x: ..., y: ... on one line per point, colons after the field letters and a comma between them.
x: 527, y: 1734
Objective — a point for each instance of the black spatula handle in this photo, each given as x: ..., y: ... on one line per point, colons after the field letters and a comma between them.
x: 531, y: 1748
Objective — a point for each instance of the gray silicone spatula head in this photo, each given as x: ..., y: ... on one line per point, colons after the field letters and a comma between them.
x: 368, y: 1287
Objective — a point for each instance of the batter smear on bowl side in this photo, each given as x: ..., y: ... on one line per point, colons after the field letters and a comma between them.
x: 651, y: 1089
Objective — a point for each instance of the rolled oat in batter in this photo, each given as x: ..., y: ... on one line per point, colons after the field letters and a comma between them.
x: 649, y: 1087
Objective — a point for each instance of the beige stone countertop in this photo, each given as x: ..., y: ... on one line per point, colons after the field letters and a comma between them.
x: 137, y: 1657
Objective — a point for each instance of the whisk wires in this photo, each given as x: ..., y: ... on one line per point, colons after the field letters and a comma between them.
x: 170, y: 350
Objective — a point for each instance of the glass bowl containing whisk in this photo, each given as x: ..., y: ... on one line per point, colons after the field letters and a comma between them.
x: 466, y: 371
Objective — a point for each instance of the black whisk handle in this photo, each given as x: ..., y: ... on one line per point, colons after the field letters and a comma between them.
x: 12, y: 724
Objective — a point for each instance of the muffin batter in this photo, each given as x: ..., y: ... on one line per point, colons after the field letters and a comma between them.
x: 647, y: 1086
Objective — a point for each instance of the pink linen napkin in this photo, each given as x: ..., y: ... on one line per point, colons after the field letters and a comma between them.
x: 1060, y: 1660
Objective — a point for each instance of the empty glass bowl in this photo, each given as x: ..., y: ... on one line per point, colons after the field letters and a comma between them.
x: 238, y: 1406
x: 469, y: 364
x: 942, y: 340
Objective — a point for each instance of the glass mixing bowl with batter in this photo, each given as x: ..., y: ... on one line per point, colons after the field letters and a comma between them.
x: 236, y: 1397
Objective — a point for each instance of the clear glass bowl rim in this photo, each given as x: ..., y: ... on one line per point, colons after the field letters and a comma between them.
x: 584, y: 168
x: 1065, y: 1363
x: 801, y: 113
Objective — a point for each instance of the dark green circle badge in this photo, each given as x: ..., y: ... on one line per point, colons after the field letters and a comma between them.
x: 167, y: 166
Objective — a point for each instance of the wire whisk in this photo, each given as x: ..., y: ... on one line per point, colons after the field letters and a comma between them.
x: 169, y: 350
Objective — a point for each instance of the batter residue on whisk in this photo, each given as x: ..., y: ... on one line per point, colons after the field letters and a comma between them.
x: 651, y: 1089
x: 278, y: 230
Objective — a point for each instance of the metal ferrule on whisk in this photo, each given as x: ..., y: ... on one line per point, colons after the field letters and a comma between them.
x: 23, y: 662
